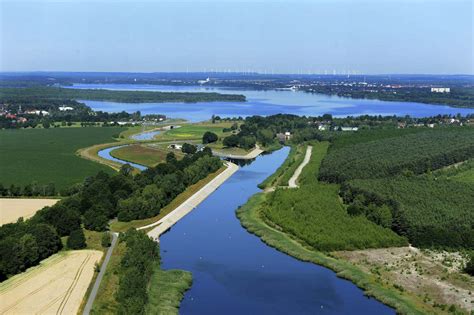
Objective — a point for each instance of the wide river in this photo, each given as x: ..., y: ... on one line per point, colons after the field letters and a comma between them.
x: 236, y: 273
x: 263, y: 103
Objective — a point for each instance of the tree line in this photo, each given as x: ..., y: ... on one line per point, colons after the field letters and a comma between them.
x: 99, y: 199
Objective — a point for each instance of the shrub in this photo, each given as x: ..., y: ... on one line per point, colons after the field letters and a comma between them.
x: 76, y: 240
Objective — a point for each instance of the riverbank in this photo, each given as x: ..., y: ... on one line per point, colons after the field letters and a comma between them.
x: 249, y: 156
x: 251, y: 219
x: 188, y: 205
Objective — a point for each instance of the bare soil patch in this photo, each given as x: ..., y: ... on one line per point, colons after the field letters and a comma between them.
x: 435, y: 276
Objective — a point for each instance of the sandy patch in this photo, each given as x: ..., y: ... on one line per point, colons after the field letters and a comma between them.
x: 56, y: 286
x: 434, y: 276
x: 12, y: 209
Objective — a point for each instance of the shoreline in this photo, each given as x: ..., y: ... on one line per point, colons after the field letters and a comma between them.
x: 249, y: 156
x: 251, y: 220
x: 189, y: 204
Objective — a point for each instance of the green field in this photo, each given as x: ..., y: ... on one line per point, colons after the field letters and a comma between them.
x: 140, y: 154
x: 194, y: 131
x: 49, y: 155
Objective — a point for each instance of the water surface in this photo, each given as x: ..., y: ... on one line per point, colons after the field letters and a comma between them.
x: 264, y: 103
x: 105, y: 154
x: 234, y: 272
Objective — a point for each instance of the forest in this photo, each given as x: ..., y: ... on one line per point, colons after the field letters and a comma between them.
x: 430, y: 211
x: 403, y: 180
x: 415, y: 153
x: 57, y: 93
x: 99, y: 199
x: 314, y: 214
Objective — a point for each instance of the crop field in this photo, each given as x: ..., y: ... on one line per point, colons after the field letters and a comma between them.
x: 140, y: 154
x: 12, y: 209
x: 56, y: 286
x: 49, y: 155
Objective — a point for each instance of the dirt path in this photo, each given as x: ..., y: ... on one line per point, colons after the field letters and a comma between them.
x: 56, y: 286
x: 11, y: 209
x: 192, y: 202
x: 294, y: 178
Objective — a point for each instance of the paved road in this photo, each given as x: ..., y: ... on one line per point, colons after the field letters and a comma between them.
x: 249, y: 156
x: 192, y: 202
x: 294, y: 178
x: 95, y: 288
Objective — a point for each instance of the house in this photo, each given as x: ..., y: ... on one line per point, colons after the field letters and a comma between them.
x: 322, y: 127
x: 440, y: 90
x: 431, y: 125
x: 65, y: 108
x: 282, y: 137
x: 349, y: 128
x: 22, y: 120
x: 175, y: 146
x: 37, y: 112
x: 402, y: 125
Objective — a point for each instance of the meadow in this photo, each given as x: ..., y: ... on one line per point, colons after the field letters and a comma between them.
x: 194, y: 131
x: 49, y: 155
x: 140, y: 154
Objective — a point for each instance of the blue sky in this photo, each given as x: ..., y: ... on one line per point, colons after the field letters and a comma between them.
x: 406, y: 36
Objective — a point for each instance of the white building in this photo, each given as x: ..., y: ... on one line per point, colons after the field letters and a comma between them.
x: 440, y: 90
x: 37, y: 112
x: 349, y: 128
x: 175, y: 146
x: 65, y: 108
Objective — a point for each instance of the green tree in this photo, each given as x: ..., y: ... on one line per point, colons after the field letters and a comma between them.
x: 231, y: 141
x: 47, y: 239
x: 470, y: 265
x: 29, y: 249
x: 105, y: 240
x: 209, y: 137
x: 188, y: 148
x: 76, y: 240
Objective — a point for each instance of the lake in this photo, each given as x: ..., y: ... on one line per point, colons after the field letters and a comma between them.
x: 263, y: 103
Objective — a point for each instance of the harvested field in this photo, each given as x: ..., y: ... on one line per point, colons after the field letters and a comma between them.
x: 56, y: 286
x: 12, y: 209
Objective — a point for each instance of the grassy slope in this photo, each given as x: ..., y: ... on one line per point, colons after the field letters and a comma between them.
x: 140, y: 154
x: 49, y: 155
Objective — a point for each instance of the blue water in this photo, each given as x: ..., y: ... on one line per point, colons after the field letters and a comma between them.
x: 264, y: 103
x: 236, y: 273
x: 105, y: 154
x: 149, y: 135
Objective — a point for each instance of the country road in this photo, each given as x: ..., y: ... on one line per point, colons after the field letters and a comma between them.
x: 95, y: 288
x: 294, y: 178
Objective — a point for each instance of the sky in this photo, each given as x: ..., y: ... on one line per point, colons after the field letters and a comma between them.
x: 318, y: 36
